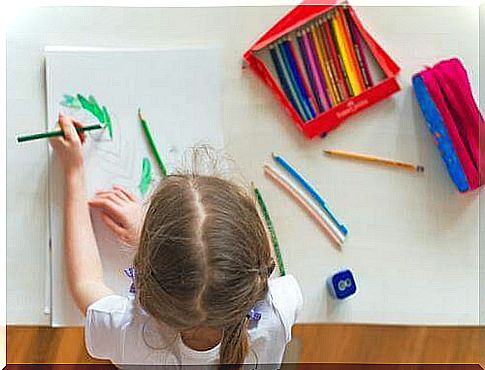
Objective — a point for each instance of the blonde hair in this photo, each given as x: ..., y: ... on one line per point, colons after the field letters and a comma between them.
x: 204, y: 259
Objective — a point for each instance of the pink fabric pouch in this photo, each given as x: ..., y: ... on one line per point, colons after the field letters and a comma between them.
x: 449, y: 88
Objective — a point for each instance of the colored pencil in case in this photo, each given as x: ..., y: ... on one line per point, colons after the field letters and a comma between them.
x: 328, y: 65
x: 292, y: 81
x: 281, y: 77
x: 345, y: 56
x: 303, y: 78
x: 272, y: 232
x: 338, y: 63
x: 299, y: 77
x: 306, y: 62
x: 359, y: 49
x: 350, y: 47
x: 332, y: 56
x: 321, y: 63
x: 330, y: 26
x: 297, y: 104
x: 316, y: 71
x: 306, y: 203
x: 310, y: 189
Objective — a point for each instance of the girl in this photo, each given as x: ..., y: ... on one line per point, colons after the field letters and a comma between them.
x: 202, y: 265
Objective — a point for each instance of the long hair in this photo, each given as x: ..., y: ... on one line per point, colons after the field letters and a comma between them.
x: 204, y: 259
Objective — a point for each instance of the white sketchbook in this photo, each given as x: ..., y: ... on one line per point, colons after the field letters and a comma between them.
x: 178, y: 91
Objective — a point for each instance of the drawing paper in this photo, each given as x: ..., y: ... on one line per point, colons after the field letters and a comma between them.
x: 178, y: 91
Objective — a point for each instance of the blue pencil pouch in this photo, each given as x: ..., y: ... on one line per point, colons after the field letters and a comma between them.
x: 445, y: 97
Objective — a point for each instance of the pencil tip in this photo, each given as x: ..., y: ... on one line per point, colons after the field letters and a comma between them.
x: 419, y: 168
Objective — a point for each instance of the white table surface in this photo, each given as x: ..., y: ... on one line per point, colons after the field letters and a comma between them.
x: 413, y: 242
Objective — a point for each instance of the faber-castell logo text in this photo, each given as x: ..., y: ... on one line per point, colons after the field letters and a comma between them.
x: 351, y: 107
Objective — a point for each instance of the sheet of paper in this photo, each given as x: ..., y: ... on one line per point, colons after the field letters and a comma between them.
x: 178, y: 91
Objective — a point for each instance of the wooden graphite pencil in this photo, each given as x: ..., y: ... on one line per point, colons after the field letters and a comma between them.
x: 306, y: 203
x: 379, y: 160
x: 152, y: 144
x: 272, y: 232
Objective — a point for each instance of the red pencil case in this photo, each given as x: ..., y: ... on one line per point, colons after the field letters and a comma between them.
x: 326, y: 121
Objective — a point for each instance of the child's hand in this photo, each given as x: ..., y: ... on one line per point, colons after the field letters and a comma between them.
x: 69, y: 147
x: 121, y: 212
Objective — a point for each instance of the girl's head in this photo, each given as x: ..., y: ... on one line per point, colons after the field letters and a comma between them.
x: 204, y: 259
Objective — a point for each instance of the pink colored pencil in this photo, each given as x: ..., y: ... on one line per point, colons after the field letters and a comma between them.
x: 300, y: 197
x: 316, y: 76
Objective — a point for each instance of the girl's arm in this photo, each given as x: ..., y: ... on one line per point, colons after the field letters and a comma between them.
x: 85, y: 272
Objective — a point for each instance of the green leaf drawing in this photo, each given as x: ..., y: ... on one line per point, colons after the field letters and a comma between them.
x: 86, y: 104
x: 96, y: 109
x: 91, y: 105
x: 71, y: 102
x: 107, y: 121
x: 146, y: 176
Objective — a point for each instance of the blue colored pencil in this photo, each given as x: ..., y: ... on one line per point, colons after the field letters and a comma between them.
x: 308, y: 70
x: 311, y: 190
x: 296, y: 76
x: 297, y: 103
x: 291, y: 77
x: 281, y: 76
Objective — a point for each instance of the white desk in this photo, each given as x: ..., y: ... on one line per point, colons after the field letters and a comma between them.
x: 414, y: 241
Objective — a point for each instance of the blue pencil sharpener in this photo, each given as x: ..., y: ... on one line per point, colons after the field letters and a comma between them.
x: 342, y: 284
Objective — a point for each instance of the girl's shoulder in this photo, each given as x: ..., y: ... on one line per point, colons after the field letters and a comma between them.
x: 282, y: 304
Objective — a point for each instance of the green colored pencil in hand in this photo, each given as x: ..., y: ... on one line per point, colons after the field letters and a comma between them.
x: 44, y: 135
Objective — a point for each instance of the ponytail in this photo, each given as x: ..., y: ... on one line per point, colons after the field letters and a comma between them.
x: 234, y: 346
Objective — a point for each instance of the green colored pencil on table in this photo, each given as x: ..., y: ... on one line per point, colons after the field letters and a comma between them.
x: 269, y: 223
x: 44, y: 135
x: 152, y: 144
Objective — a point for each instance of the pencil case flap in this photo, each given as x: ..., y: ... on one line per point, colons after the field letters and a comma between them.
x: 446, y: 100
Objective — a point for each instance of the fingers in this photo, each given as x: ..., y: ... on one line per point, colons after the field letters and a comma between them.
x: 107, y: 206
x: 128, y: 194
x: 120, y: 191
x: 68, y: 126
x: 79, y: 124
x: 112, y: 225
x: 115, y: 195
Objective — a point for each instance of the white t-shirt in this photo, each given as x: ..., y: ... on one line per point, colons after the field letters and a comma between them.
x: 118, y: 330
